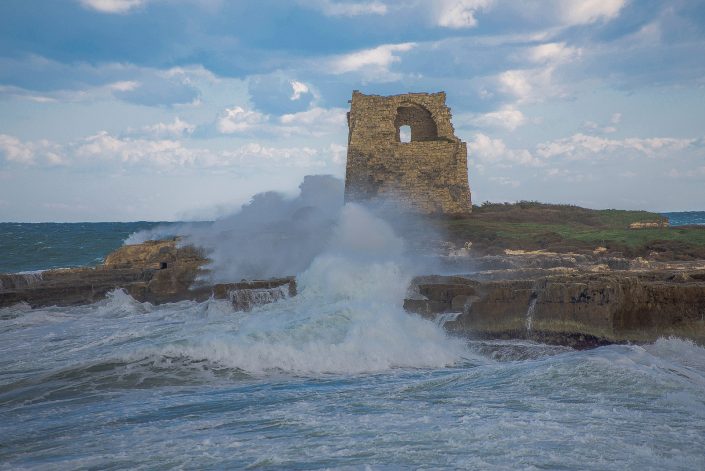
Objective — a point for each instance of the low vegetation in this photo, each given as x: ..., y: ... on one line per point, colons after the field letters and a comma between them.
x: 495, y: 227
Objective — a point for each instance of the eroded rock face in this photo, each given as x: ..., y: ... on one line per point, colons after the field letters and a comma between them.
x: 66, y: 287
x: 155, y: 271
x: 577, y: 309
x: 156, y: 255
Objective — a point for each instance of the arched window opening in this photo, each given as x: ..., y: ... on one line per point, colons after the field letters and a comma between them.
x: 419, y: 121
x: 405, y: 133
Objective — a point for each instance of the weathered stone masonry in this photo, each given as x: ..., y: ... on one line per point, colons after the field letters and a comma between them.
x: 428, y: 174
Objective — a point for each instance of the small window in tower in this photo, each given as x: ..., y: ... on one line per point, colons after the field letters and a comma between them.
x: 404, y: 133
x: 162, y: 266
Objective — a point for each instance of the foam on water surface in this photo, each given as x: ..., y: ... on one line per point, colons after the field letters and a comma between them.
x: 336, y: 377
x: 331, y: 382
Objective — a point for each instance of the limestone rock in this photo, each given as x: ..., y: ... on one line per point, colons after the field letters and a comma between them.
x: 429, y: 174
x: 154, y: 271
x: 648, y: 224
x: 578, y: 309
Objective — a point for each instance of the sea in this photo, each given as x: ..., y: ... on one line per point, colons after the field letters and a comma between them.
x: 338, y: 377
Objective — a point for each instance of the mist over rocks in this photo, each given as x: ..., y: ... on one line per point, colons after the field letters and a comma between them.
x: 376, y: 251
x: 271, y: 235
x: 275, y: 235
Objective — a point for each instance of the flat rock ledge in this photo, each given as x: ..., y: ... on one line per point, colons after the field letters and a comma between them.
x: 576, y: 309
x: 155, y: 271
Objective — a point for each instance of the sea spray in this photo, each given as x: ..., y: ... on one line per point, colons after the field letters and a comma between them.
x: 271, y: 236
x: 275, y: 235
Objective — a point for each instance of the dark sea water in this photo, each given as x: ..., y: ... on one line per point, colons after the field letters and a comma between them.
x: 338, y: 377
x: 30, y: 247
x: 685, y: 218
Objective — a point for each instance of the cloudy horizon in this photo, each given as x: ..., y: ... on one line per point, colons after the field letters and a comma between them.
x: 123, y: 110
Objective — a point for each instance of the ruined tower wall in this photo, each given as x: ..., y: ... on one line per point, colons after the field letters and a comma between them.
x: 428, y: 174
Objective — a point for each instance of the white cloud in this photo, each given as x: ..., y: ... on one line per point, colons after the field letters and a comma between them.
x: 164, y: 153
x: 506, y: 181
x: 330, y: 8
x: 338, y: 154
x: 581, y: 146
x: 315, y: 117
x: 580, y: 12
x: 495, y: 151
x: 15, y: 150
x: 176, y: 128
x: 459, y: 13
x: 191, y: 74
x: 298, y: 88
x: 17, y: 92
x: 553, y: 52
x: 84, y: 82
x: 529, y: 85
x: 238, y: 119
x: 105, y: 152
x: 256, y: 154
x: 593, y: 127
x: 314, y: 122
x: 536, y: 83
x: 123, y: 86
x: 112, y: 6
x: 508, y: 118
x: 20, y: 152
x: 373, y: 62
x: 516, y: 82
x: 89, y: 93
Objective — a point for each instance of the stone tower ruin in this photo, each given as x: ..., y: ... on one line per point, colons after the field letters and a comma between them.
x: 429, y: 174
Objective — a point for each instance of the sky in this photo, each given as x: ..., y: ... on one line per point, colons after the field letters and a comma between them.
x: 123, y: 110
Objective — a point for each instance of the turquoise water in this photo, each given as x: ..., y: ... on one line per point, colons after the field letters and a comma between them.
x: 29, y: 247
x: 338, y: 377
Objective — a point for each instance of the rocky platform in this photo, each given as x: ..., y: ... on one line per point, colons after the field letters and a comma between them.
x: 155, y: 271
x: 567, y: 299
x: 580, y: 307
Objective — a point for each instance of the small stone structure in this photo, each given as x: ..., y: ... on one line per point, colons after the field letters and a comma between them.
x: 429, y: 174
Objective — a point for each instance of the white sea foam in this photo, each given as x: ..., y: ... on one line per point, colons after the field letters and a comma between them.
x: 347, y: 318
x: 144, y: 369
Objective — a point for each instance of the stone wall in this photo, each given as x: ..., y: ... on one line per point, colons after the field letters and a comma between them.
x: 428, y: 174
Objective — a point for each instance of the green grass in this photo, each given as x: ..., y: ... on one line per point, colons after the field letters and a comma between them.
x: 492, y: 228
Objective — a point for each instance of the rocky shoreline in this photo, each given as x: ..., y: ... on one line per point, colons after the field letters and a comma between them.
x: 155, y: 271
x: 576, y: 300
x: 573, y: 308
